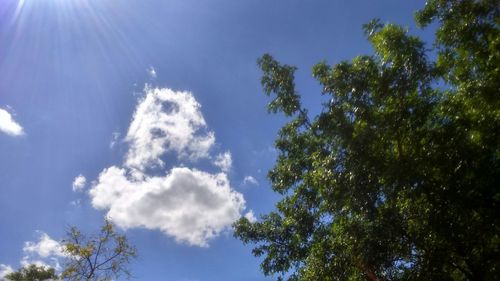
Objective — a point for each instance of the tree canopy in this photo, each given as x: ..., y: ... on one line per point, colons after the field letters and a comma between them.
x: 100, y: 257
x: 33, y: 272
x: 398, y: 177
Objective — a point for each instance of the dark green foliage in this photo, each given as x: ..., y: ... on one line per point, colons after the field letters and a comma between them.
x: 396, y: 178
x: 468, y: 40
x: 33, y: 273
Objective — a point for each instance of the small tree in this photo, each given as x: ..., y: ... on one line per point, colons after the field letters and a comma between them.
x: 99, y: 257
x: 33, y: 272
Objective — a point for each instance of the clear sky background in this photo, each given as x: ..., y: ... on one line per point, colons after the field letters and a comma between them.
x: 148, y: 100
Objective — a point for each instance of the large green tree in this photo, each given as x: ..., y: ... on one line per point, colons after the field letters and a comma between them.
x: 398, y: 177
x: 33, y: 272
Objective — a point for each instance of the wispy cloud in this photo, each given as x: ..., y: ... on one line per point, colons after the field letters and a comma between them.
x: 4, y: 270
x: 44, y: 252
x: 8, y: 125
x: 188, y: 204
x: 224, y: 161
x: 79, y: 183
x: 115, y: 137
x: 152, y: 72
x: 250, y: 180
x: 76, y: 203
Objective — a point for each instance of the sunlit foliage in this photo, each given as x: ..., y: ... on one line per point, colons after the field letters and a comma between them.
x: 99, y: 257
x: 398, y: 177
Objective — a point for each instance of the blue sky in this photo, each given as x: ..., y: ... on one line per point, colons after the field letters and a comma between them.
x: 157, y: 105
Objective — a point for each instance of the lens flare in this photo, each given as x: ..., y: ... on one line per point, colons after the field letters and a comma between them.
x: 69, y: 36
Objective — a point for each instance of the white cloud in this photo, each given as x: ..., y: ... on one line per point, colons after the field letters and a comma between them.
x: 26, y: 261
x: 188, y: 204
x: 46, y: 252
x: 45, y: 247
x: 224, y: 161
x: 152, y: 72
x: 250, y: 180
x: 250, y: 216
x: 79, y: 183
x: 8, y: 125
x: 4, y: 270
x: 167, y: 121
